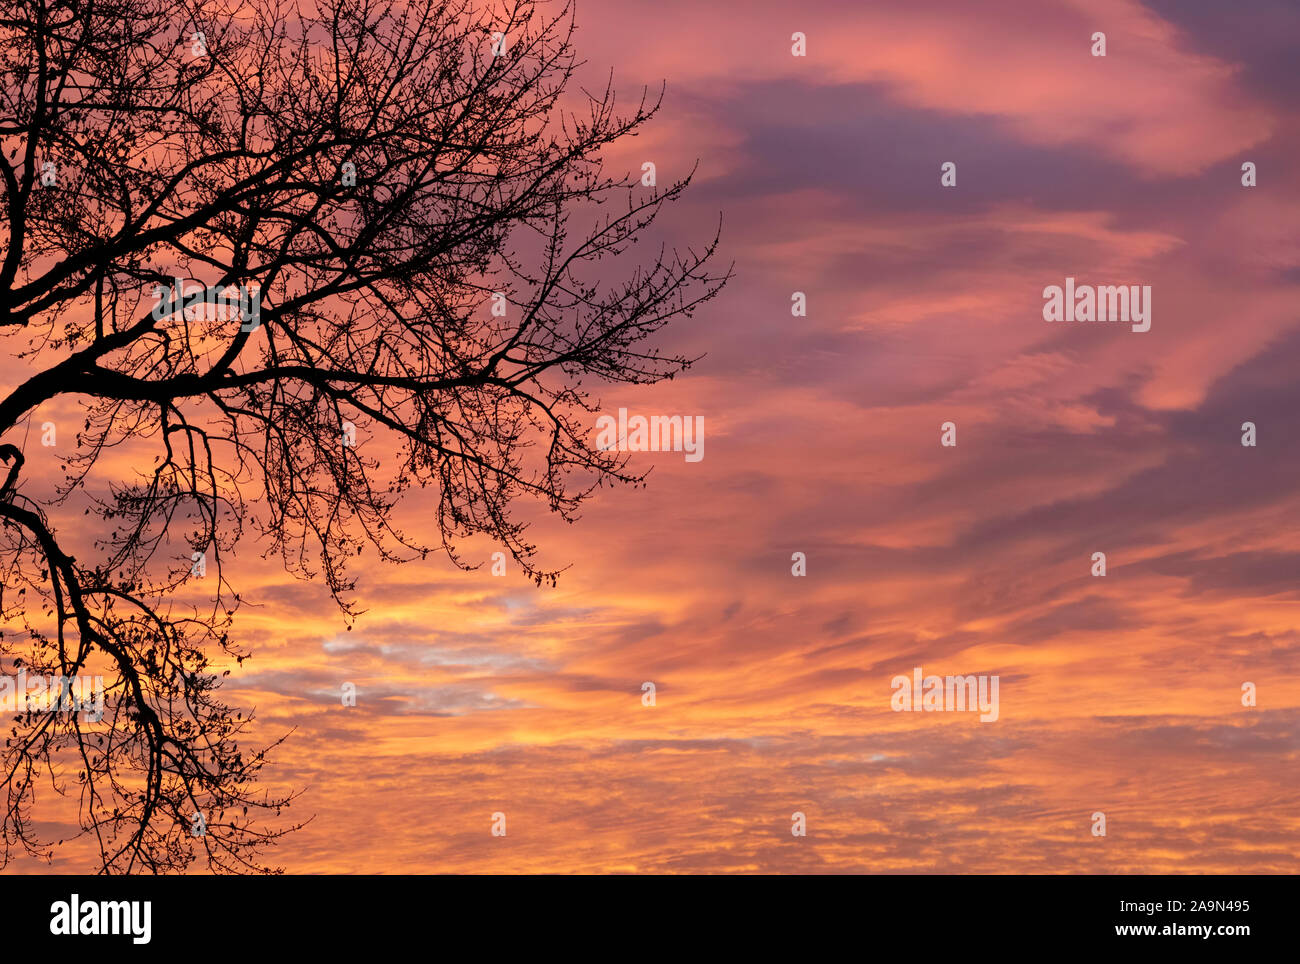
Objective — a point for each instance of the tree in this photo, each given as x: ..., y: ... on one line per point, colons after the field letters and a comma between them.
x: 370, y: 207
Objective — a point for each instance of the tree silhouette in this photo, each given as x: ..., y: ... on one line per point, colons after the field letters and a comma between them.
x: 395, y: 239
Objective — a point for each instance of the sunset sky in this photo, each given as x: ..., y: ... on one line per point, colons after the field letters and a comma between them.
x: 1120, y: 694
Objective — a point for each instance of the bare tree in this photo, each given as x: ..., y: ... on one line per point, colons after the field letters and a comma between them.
x: 403, y: 239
